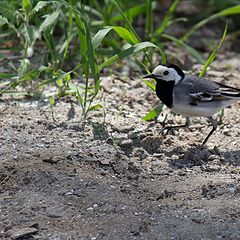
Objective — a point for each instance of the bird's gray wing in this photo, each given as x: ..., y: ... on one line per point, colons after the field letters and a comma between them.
x: 202, y: 90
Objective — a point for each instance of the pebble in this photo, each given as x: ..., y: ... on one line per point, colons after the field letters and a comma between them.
x: 232, y: 190
x: 140, y: 153
x: 57, y: 211
x: 135, y: 229
x: 23, y: 232
x: 90, y: 209
x: 226, y: 132
x: 127, y: 146
x: 213, y: 157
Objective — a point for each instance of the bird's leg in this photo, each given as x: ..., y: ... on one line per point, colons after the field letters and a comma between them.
x: 169, y: 128
x: 214, y: 127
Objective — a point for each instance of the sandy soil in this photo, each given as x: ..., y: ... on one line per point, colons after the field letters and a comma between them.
x: 118, y: 178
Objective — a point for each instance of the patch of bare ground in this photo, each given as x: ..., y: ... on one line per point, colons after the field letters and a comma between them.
x: 118, y: 178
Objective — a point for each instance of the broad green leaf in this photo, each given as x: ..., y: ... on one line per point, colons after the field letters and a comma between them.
x: 127, y: 35
x: 4, y: 20
x: 214, y: 53
x: 26, y: 4
x: 121, y: 31
x: 95, y: 107
x: 99, y: 36
x: 8, y: 10
x: 31, y: 33
x: 50, y: 20
x: 51, y: 101
x: 40, y: 5
x: 153, y: 113
x: 24, y: 67
x: 129, y: 51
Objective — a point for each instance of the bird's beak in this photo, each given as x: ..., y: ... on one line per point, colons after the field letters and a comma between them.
x: 149, y: 76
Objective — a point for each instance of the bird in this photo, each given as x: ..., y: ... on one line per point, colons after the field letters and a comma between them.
x: 190, y: 95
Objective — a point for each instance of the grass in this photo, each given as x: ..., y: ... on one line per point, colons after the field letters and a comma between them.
x: 56, y: 41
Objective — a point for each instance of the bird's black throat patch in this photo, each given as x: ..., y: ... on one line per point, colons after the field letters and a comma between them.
x: 164, y: 91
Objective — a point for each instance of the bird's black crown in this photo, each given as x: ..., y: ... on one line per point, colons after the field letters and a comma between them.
x: 178, y: 69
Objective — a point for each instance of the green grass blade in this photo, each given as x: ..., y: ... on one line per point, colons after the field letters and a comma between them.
x: 92, y: 11
x: 127, y: 52
x: 214, y: 53
x: 153, y: 113
x: 226, y: 12
x: 70, y: 23
x: 55, y: 79
x: 92, y: 60
x: 149, y: 19
x: 99, y: 36
x: 149, y: 84
x: 121, y: 31
x: 124, y: 16
x: 7, y: 75
x: 167, y: 17
x: 82, y: 41
x: 132, y: 12
x: 191, y: 50
x: 95, y: 107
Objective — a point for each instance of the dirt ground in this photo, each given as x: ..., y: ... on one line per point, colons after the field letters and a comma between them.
x: 118, y: 178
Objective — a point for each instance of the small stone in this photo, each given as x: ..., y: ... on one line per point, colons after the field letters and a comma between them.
x: 109, y: 141
x: 90, y: 209
x: 213, y: 157
x: 181, y: 173
x: 51, y: 160
x: 127, y: 146
x: 232, y: 190
x: 105, y: 161
x: 226, y: 132
x: 198, y: 219
x: 57, y: 211
x: 23, y: 232
x: 135, y: 229
x: 140, y: 153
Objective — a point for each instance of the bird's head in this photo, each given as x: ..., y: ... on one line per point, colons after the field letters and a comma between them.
x: 167, y: 72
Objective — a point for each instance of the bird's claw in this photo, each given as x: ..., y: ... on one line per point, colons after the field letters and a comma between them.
x: 168, y: 130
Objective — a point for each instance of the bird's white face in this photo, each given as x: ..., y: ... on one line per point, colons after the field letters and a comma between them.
x: 166, y: 73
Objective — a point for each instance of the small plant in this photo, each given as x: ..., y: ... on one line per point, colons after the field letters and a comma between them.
x: 61, y: 39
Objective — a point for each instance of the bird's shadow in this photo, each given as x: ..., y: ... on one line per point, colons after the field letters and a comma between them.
x: 202, y: 155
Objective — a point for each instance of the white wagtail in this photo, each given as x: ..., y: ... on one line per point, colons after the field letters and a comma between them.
x: 191, y: 96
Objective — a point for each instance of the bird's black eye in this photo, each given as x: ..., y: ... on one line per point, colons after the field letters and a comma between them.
x: 165, y: 73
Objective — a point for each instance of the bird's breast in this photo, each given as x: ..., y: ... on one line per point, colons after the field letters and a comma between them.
x: 164, y: 91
